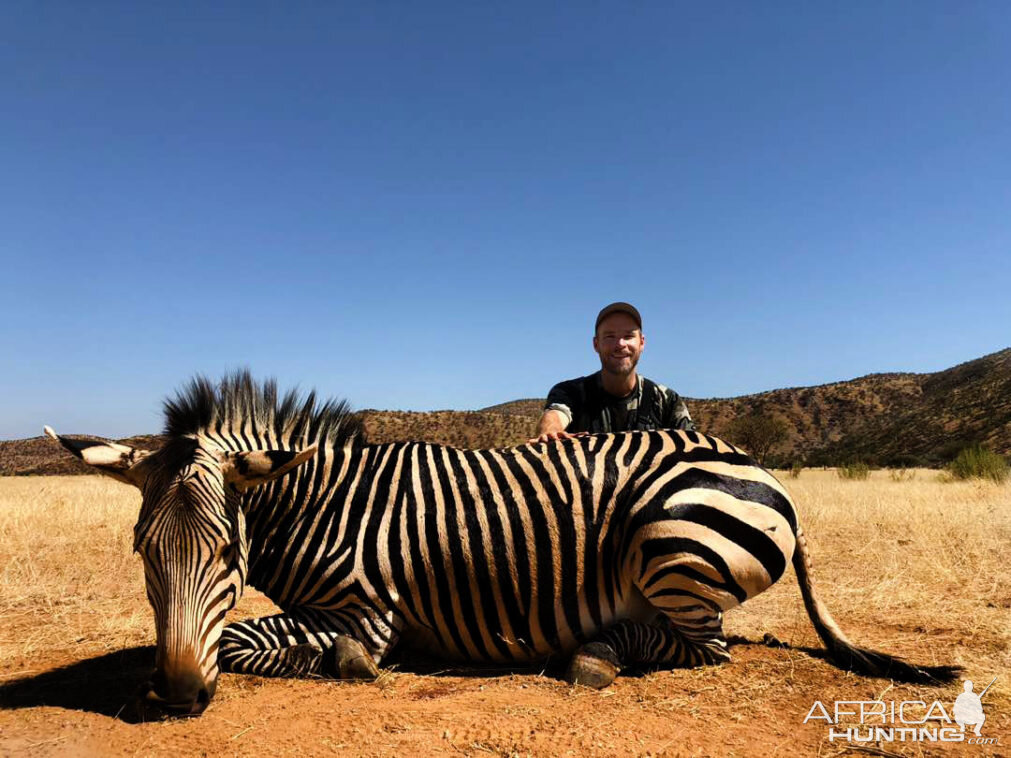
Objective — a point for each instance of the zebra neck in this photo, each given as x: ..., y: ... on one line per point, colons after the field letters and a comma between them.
x: 307, y: 511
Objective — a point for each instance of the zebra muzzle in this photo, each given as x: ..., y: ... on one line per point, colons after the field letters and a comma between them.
x: 184, y: 695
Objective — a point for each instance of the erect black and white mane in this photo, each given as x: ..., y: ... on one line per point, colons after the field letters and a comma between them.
x: 240, y: 407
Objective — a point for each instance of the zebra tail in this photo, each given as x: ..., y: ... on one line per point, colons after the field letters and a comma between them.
x: 844, y: 653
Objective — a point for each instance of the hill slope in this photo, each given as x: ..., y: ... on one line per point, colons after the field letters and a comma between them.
x: 885, y: 418
x: 889, y: 419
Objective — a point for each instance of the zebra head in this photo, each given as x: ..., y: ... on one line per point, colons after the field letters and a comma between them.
x: 191, y: 535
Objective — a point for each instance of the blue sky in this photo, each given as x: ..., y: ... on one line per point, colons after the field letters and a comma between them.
x: 423, y: 205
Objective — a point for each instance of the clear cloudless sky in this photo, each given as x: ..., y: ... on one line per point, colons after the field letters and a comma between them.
x: 423, y: 205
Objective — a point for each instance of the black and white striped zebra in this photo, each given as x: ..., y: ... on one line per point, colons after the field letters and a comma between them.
x: 614, y: 549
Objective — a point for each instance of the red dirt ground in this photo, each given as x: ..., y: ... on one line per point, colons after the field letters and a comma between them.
x: 753, y: 706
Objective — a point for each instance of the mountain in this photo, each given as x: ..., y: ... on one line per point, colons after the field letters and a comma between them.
x: 882, y: 419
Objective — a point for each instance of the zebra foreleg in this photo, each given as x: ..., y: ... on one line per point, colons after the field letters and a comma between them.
x: 629, y: 643
x: 288, y: 646
x: 270, y: 646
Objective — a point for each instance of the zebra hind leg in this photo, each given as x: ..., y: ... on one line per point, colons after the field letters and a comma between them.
x: 629, y: 643
x: 282, y: 646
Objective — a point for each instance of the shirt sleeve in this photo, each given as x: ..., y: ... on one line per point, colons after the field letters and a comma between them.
x: 562, y: 398
x: 676, y: 414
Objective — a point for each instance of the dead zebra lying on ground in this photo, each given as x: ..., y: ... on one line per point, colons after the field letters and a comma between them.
x: 616, y: 549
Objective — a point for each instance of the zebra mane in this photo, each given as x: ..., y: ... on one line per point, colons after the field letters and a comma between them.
x: 240, y: 404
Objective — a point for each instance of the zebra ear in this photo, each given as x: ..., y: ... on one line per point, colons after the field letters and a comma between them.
x: 121, y: 462
x: 245, y: 470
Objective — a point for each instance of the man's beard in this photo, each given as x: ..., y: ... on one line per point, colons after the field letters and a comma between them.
x: 620, y: 366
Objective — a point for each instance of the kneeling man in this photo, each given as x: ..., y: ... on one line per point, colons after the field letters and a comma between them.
x: 616, y: 398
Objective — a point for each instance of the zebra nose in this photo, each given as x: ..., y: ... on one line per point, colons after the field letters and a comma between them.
x: 182, y: 694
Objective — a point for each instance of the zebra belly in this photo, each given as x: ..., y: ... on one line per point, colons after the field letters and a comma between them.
x: 426, y: 641
x: 542, y: 632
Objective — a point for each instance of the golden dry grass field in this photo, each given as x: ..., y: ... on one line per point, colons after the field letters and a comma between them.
x: 918, y: 568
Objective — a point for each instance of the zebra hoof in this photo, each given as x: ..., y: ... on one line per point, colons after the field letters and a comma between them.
x: 350, y: 660
x: 594, y: 665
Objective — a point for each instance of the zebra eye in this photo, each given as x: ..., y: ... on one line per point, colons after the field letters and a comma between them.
x: 228, y: 553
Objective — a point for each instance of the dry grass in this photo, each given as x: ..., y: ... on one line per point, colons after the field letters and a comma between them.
x: 69, y: 579
x: 69, y: 561
x: 913, y: 567
x: 916, y: 567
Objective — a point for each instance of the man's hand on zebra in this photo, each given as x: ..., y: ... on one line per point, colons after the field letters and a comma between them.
x: 555, y: 437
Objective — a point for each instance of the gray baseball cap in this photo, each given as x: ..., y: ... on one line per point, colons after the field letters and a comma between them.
x: 619, y: 307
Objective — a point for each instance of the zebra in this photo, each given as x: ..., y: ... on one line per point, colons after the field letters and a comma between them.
x: 609, y: 550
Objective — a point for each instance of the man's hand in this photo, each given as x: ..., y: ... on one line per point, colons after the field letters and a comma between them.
x: 550, y: 427
x: 555, y: 437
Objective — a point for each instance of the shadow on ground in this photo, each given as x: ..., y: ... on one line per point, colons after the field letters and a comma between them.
x: 407, y: 661
x: 106, y: 685
x: 411, y: 661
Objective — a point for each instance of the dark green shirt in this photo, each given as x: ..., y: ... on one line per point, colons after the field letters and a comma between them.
x: 591, y: 408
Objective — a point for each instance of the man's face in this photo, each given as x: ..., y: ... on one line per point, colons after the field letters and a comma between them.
x: 619, y: 343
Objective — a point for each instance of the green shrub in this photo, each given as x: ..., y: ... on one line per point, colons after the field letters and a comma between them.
x: 854, y: 471
x: 976, y: 462
x: 795, y: 469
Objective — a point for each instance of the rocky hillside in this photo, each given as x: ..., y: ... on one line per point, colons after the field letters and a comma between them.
x: 884, y: 419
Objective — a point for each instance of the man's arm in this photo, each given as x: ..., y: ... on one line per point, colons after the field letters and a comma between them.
x: 676, y: 414
x: 551, y: 426
x: 557, y: 415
